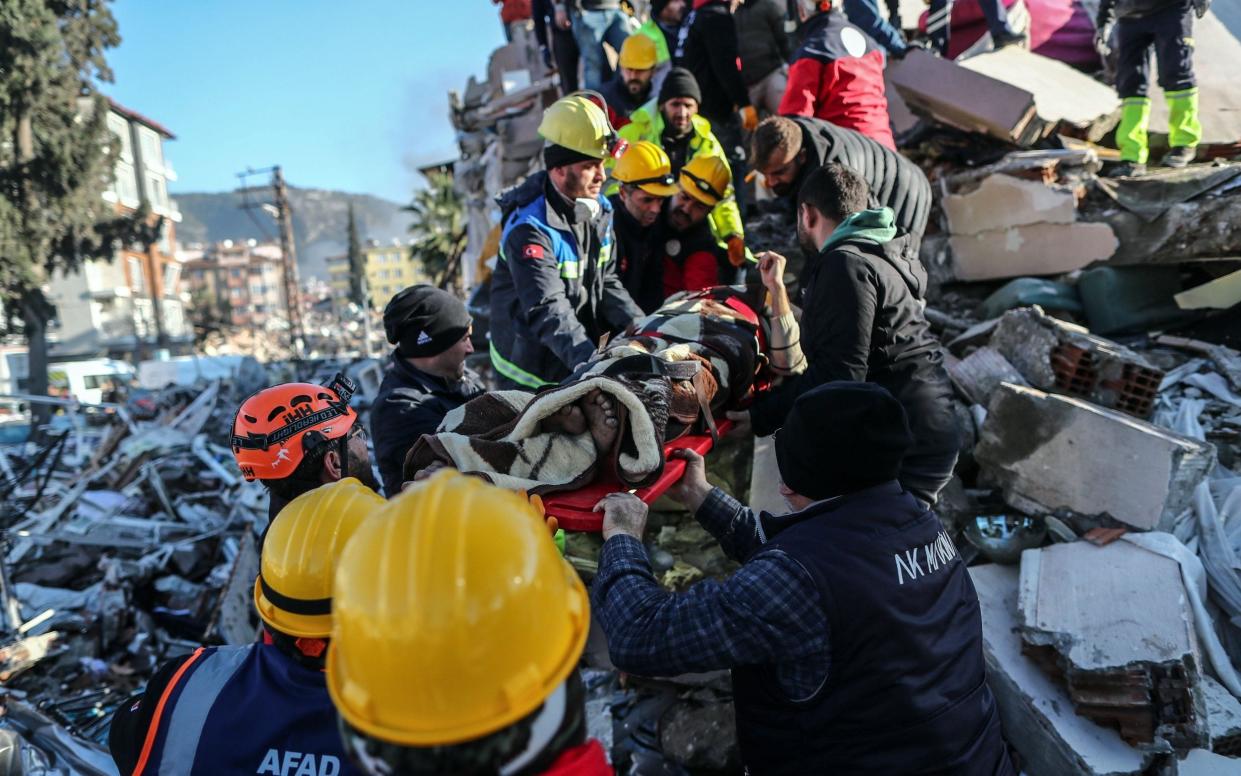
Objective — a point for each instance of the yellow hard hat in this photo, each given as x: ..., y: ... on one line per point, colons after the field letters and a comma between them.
x: 646, y: 166
x: 454, y: 615
x: 638, y: 53
x: 293, y: 592
x: 576, y: 122
x: 706, y: 179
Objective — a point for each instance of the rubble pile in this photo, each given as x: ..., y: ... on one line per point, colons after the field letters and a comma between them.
x: 129, y: 542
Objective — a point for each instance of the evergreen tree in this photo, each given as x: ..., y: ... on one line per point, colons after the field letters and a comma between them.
x: 439, y: 233
x: 56, y: 157
x: 357, y: 266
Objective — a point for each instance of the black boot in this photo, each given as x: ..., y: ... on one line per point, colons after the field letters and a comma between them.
x: 1126, y: 170
x: 1179, y: 157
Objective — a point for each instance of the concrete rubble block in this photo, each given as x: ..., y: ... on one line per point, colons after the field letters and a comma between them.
x: 1051, y: 452
x: 1011, y: 94
x: 1200, y: 762
x: 1219, y: 294
x: 1114, y: 624
x: 979, y: 374
x: 1037, y: 713
x: 1030, y: 249
x: 1223, y: 718
x: 1057, y: 356
x: 1001, y: 201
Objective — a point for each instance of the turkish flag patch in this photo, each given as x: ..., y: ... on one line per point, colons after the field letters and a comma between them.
x: 533, y: 252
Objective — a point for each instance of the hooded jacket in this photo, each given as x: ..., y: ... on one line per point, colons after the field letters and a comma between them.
x: 862, y: 320
x: 555, y: 291
x: 895, y: 182
x: 837, y: 75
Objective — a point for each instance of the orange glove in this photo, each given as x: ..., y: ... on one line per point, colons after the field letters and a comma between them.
x: 749, y: 118
x: 736, y: 250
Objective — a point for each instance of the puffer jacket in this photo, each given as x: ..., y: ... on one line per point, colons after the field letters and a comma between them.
x: 894, y: 181
x: 761, y: 40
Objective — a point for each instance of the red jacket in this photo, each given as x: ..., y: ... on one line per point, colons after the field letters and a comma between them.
x: 837, y: 76
x: 514, y: 10
x: 585, y: 760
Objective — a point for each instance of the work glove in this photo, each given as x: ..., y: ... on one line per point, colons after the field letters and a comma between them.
x: 736, y: 250
x: 547, y: 57
x: 749, y: 118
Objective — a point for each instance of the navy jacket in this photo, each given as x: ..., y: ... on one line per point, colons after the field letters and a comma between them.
x: 247, y: 709
x: 555, y: 291
x: 411, y: 403
x: 906, y: 692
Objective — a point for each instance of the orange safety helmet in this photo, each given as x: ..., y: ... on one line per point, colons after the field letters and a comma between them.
x: 277, y: 426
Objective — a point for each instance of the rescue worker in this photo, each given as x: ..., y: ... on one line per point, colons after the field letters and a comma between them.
x: 672, y: 122
x: 1168, y: 26
x: 863, y: 297
x: 692, y: 260
x: 427, y: 377
x: 262, y: 707
x: 295, y: 437
x: 845, y: 658
x: 630, y: 88
x: 787, y: 150
x: 461, y: 659
x: 555, y: 291
x: 837, y: 74
x: 662, y: 27
x: 764, y: 47
x: 646, y: 182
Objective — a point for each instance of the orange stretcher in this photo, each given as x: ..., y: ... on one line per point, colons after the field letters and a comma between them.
x: 574, y: 509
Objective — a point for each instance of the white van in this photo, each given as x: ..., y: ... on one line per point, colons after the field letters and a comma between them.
x: 86, y: 381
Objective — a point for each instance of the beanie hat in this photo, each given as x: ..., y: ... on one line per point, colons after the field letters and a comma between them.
x: 558, y: 156
x: 840, y: 438
x: 657, y: 7
x: 680, y: 83
x: 425, y: 321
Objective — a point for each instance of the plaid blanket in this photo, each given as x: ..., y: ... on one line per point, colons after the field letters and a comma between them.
x: 689, y: 361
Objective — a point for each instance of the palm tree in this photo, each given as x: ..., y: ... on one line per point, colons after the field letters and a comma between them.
x: 439, y: 228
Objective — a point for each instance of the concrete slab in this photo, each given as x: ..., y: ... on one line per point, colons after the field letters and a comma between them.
x: 979, y: 374
x: 1003, y: 201
x: 1219, y: 294
x: 1200, y: 762
x: 1031, y: 249
x: 1223, y: 718
x: 1037, y: 713
x: 1051, y: 452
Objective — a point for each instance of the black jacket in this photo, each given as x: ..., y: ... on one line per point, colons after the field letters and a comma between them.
x: 618, y: 98
x: 411, y: 403
x: 1133, y: 9
x: 862, y: 320
x: 555, y: 291
x: 894, y: 181
x: 761, y: 40
x: 707, y: 47
x: 640, y: 270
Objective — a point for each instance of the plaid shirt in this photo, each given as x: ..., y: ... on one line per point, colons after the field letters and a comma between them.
x: 768, y: 612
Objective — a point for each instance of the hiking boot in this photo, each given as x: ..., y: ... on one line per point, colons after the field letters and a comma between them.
x: 1179, y: 157
x: 1126, y: 170
x: 1008, y: 38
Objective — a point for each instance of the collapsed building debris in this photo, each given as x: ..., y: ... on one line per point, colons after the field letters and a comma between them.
x: 1113, y: 623
x: 1049, y: 452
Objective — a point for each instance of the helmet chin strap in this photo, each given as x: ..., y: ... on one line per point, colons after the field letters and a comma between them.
x: 542, y: 730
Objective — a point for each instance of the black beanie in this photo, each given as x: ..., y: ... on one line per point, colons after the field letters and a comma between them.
x: 679, y: 83
x: 425, y: 321
x: 842, y: 437
x: 558, y: 156
x: 657, y: 7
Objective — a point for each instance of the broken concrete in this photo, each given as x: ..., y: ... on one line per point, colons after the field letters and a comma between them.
x: 1049, y: 452
x: 1010, y: 94
x: 1223, y: 718
x: 1036, y: 711
x: 1113, y: 622
x: 1030, y: 249
x: 1200, y: 762
x: 1057, y: 356
x: 1002, y: 201
x: 979, y: 374
x: 1219, y: 294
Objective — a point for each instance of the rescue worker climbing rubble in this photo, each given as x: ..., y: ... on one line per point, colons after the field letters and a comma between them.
x: 295, y: 437
x: 260, y: 708
x: 497, y: 621
x: 555, y: 291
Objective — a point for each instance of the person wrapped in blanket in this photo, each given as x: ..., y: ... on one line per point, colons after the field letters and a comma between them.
x: 700, y: 355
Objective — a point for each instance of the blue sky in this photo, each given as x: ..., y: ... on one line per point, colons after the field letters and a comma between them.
x: 345, y: 95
